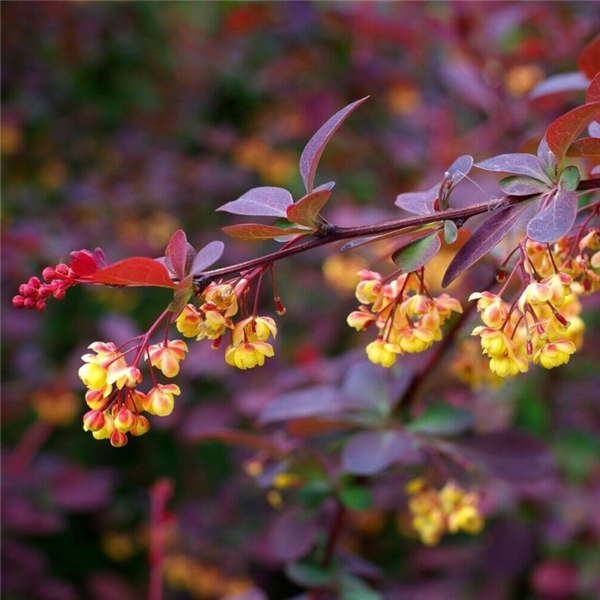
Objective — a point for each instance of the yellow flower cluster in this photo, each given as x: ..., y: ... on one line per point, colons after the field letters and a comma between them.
x: 248, y: 347
x: 114, y: 400
x: 542, y: 325
x: 449, y: 510
x: 407, y: 317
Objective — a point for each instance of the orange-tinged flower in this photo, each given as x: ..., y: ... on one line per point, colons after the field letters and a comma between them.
x: 159, y: 400
x: 445, y: 306
x: 369, y: 288
x: 560, y: 286
x: 224, y: 298
x: 141, y: 426
x: 123, y: 375
x: 167, y: 356
x: 93, y: 420
x: 493, y: 309
x: 124, y: 420
x: 105, y: 432
x: 213, y: 326
x: 415, y: 339
x: 188, y: 321
x: 360, y: 319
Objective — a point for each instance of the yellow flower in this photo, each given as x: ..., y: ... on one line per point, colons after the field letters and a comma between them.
x: 383, y: 353
x: 167, y: 357
x: 248, y: 355
x: 494, y: 342
x: 554, y: 354
x: 494, y: 311
x: 123, y: 375
x: 94, y: 375
x: 415, y: 339
x: 508, y: 365
x: 360, y: 319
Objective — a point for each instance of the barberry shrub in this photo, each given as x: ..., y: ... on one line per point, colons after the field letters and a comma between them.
x: 334, y: 443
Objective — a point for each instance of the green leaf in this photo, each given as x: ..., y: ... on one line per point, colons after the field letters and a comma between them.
x: 450, y: 232
x: 353, y: 588
x: 356, y: 497
x: 309, y: 573
x: 415, y: 254
x: 442, y: 419
x: 180, y: 299
x: 569, y: 179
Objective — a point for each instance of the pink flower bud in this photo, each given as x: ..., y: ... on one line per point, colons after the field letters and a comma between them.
x: 48, y: 273
x: 124, y: 420
x: 118, y: 439
x: 18, y: 302
x: 93, y: 420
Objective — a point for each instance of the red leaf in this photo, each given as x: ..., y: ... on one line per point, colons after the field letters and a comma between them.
x: 585, y: 148
x: 84, y: 263
x: 313, y: 150
x: 134, y: 271
x: 588, y: 61
x: 556, y: 219
x: 593, y: 91
x: 257, y: 232
x: 179, y: 254
x: 239, y: 438
x: 305, y: 211
x: 415, y: 254
x: 483, y: 240
x: 562, y: 132
x: 261, y: 201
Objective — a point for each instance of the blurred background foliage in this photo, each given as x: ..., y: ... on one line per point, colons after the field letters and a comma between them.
x: 124, y: 121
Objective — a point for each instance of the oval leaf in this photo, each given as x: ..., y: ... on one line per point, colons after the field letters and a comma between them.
x: 510, y: 455
x: 418, y: 203
x: 450, y: 232
x: 520, y: 185
x: 569, y: 179
x: 562, y: 132
x: 593, y: 91
x: 261, y: 201
x: 442, y: 419
x: 179, y: 254
x: 520, y: 164
x: 556, y: 219
x: 460, y: 168
x: 134, y: 271
x: 306, y: 210
x: 565, y: 82
x: 588, y: 61
x: 313, y: 150
x: 207, y: 256
x: 314, y: 401
x: 293, y: 534
x: 415, y: 254
x: 483, y: 240
x: 585, y: 148
x: 371, y: 452
x: 257, y: 232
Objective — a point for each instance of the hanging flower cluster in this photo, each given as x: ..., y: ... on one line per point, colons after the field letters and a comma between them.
x: 407, y: 317
x: 449, y: 510
x: 542, y: 325
x: 114, y: 399
x: 248, y: 346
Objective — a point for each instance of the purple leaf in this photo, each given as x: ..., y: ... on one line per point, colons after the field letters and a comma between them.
x: 207, y: 256
x: 179, y: 254
x: 460, y: 168
x: 565, y: 82
x: 594, y: 129
x: 509, y: 455
x: 415, y: 254
x: 547, y: 159
x: 310, y: 402
x: 483, y: 240
x: 556, y: 219
x: 520, y: 164
x: 260, y: 201
x: 325, y: 187
x: 418, y: 203
x: 313, y: 150
x: 370, y: 452
x: 293, y: 534
x: 520, y: 185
